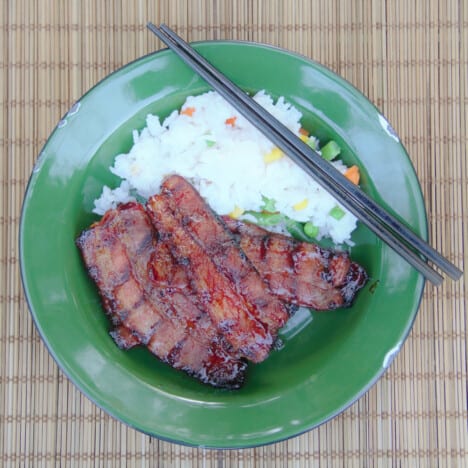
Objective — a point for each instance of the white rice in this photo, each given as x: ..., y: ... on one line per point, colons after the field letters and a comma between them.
x: 226, y: 164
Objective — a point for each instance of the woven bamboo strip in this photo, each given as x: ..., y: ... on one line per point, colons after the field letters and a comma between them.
x: 4, y: 58
x: 404, y: 45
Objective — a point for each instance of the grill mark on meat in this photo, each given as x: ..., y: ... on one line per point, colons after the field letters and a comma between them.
x: 264, y: 247
x: 170, y: 291
x: 300, y: 272
x: 165, y: 338
x: 117, y: 251
x: 339, y: 267
x: 124, y: 337
x: 172, y: 357
x: 277, y: 268
x: 224, y: 250
x: 172, y: 282
x: 228, y: 310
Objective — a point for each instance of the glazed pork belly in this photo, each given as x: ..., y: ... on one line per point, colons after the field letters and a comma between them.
x: 204, y: 293
x: 228, y: 309
x: 146, y: 305
x: 300, y: 273
x: 224, y: 250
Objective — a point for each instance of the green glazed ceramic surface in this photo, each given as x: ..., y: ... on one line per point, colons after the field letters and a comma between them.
x: 328, y: 359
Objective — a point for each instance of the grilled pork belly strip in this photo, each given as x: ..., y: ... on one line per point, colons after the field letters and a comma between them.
x: 164, y: 281
x: 300, y: 272
x: 228, y: 309
x: 222, y: 247
x: 117, y: 251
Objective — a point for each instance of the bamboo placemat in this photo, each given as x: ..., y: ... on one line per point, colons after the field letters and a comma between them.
x: 409, y: 58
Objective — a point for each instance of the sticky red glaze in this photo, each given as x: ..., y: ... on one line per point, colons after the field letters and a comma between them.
x: 300, y: 272
x: 118, y: 252
x: 215, y: 292
x: 223, y: 249
x: 203, y: 292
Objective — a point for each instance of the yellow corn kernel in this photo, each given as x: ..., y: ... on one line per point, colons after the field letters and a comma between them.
x: 301, y: 205
x: 135, y: 169
x: 273, y: 155
x: 304, y: 138
x: 236, y: 212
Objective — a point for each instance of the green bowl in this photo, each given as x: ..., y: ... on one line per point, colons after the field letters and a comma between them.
x: 328, y: 360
